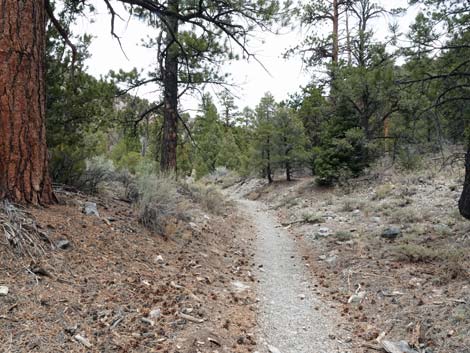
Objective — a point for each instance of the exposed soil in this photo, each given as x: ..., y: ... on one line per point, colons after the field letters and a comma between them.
x: 111, y: 288
x: 291, y: 317
x: 415, y: 287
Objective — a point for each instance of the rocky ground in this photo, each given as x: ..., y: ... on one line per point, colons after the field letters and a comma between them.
x: 388, y: 260
x: 391, y: 254
x: 106, y: 284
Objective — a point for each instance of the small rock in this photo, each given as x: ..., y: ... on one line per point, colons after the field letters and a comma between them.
x: 391, y: 233
x: 273, y: 349
x: 63, y: 244
x: 376, y: 219
x: 83, y: 341
x: 155, y: 313
x: 323, y: 232
x: 158, y: 259
x: 397, y: 347
x: 357, y: 298
x: 90, y: 209
x: 147, y: 321
x: 356, y: 212
x: 3, y: 291
x: 239, y: 286
x: 331, y: 260
x: 302, y: 296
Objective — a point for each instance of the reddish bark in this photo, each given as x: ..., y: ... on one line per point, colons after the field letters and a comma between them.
x: 24, y: 174
x: 170, y: 94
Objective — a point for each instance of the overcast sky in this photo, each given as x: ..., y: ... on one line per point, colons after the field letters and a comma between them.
x: 284, y: 77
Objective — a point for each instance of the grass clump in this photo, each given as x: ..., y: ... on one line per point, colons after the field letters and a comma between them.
x: 351, y: 204
x: 451, y: 262
x: 405, y: 215
x: 343, y: 236
x: 312, y: 218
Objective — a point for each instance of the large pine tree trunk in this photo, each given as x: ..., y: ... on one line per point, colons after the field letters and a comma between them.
x: 24, y: 174
x: 170, y: 94
x: 464, y: 202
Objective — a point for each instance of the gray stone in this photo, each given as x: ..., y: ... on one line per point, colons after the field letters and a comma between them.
x: 3, y: 291
x: 90, y: 209
x: 357, y: 298
x: 63, y: 244
x: 155, y: 313
x: 391, y: 233
x: 324, y: 231
x: 158, y: 259
x: 397, y: 347
x: 273, y: 349
x: 239, y: 286
x: 331, y: 260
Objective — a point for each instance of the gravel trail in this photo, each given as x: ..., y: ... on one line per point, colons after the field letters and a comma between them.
x: 291, y: 318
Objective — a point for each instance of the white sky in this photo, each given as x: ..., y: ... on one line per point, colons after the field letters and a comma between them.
x: 286, y: 76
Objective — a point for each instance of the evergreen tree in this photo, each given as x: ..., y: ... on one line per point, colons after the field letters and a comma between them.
x: 289, y: 141
x: 264, y: 135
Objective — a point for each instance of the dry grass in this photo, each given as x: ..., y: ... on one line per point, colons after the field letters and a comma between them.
x: 352, y: 203
x: 451, y: 261
x: 383, y: 191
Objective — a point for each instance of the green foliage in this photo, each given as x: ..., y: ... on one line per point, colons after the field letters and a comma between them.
x: 341, y: 157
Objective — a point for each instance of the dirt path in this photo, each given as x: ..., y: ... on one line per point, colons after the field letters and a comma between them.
x: 291, y: 318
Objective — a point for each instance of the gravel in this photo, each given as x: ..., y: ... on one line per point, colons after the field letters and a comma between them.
x: 291, y: 318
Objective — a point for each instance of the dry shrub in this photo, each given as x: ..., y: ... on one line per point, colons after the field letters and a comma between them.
x: 98, y: 170
x: 383, y: 191
x: 312, y: 218
x: 351, y: 204
x: 20, y: 231
x: 158, y: 201
x: 208, y: 196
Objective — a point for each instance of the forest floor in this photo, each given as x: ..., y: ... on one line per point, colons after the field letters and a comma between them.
x: 116, y: 287
x: 390, y: 253
x: 302, y: 269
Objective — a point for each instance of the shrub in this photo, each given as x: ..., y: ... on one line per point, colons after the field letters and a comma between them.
x: 98, y: 170
x: 343, y: 236
x: 408, y: 159
x: 158, y: 201
x: 383, y: 191
x: 342, y: 157
x: 67, y: 164
x: 351, y: 204
x: 312, y: 218
x: 209, y: 197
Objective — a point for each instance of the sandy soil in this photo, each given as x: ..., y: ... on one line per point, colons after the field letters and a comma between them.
x: 291, y: 317
x: 123, y: 289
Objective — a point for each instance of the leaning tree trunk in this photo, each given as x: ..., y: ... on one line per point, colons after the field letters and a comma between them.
x: 464, y: 201
x: 170, y: 94
x: 24, y: 174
